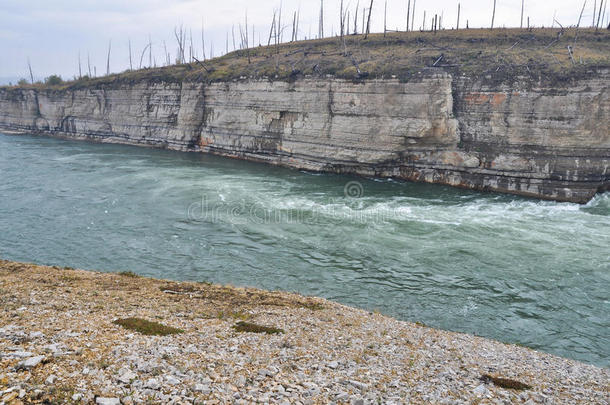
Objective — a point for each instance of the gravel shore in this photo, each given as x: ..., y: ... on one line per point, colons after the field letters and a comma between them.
x: 60, y: 342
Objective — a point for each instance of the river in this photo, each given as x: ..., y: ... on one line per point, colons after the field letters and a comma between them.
x: 517, y: 270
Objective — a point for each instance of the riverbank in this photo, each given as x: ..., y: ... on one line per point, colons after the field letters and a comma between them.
x: 60, y: 341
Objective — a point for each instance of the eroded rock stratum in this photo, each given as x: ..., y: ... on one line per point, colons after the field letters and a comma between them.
x: 548, y: 141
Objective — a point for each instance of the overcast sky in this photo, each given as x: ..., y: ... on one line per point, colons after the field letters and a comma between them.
x: 51, y: 33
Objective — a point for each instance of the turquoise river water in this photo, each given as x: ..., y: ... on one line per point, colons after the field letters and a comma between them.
x: 509, y: 268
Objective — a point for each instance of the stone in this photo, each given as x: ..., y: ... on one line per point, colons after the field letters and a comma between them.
x: 201, y: 388
x: 333, y: 365
x: 127, y: 377
x: 50, y: 380
x: 16, y: 355
x: 152, y: 384
x: 480, y: 390
x: 107, y: 401
x: 171, y: 380
x: 30, y: 363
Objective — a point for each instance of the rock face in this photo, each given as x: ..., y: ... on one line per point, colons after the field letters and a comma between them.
x: 549, y: 142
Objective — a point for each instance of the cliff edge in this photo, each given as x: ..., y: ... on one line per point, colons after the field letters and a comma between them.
x: 509, y: 110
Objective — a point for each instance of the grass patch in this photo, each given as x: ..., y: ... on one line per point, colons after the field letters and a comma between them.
x: 128, y: 274
x: 254, y: 328
x: 146, y: 327
x: 505, y: 382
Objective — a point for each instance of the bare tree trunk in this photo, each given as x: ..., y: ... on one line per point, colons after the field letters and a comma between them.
x: 594, y: 11
x: 368, y: 23
x: 578, y: 25
x: 522, y: 8
x: 385, y: 18
x: 321, y: 21
x: 341, y: 19
x: 203, y: 40
x: 30, y: 69
x: 458, y: 20
x: 150, y: 50
x: 296, y: 32
x: 413, y: 17
x: 130, y: 60
x: 80, y: 73
x: 88, y: 64
x: 270, y: 31
x: 408, y: 14
x: 423, y: 26
x: 356, y: 18
x: 599, y: 14
x: 108, y: 59
x: 493, y: 16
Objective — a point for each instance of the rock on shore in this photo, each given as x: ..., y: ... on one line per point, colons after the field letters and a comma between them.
x: 60, y: 343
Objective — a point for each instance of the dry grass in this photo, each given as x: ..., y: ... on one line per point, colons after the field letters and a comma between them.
x: 500, y: 55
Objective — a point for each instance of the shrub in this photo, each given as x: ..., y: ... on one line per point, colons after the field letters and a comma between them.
x: 53, y: 80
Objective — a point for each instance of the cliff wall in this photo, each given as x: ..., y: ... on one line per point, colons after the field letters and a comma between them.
x: 545, y: 141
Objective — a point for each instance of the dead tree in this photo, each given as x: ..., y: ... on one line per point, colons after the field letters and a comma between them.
x: 142, y: 54
x: 80, y: 73
x: 294, y: 26
x: 408, y: 14
x: 493, y: 16
x: 356, y: 18
x: 108, y: 59
x: 599, y: 14
x: 203, y: 40
x: 368, y: 23
x: 191, y: 53
x: 341, y: 19
x: 321, y: 21
x: 522, y: 8
x: 413, y: 17
x: 270, y: 31
x: 457, y: 27
x: 150, y: 50
x: 594, y: 11
x: 296, y: 31
x: 577, y: 26
x: 88, y: 64
x: 385, y: 18
x: 130, y: 60
x: 30, y: 69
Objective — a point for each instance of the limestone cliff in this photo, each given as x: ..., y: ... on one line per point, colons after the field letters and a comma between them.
x: 545, y: 141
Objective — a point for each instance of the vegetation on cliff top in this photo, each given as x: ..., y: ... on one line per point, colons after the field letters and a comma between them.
x: 501, y: 55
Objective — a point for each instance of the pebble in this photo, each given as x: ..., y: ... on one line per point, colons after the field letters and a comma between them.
x: 107, y: 401
x: 152, y: 384
x: 30, y: 363
x: 332, y: 355
x: 50, y: 380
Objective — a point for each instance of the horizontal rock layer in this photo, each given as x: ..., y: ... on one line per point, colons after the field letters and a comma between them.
x: 550, y: 143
